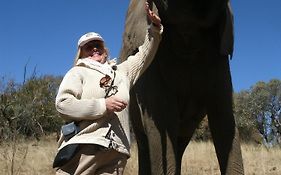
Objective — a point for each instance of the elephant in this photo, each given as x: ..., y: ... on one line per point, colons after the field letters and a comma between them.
x: 188, y: 79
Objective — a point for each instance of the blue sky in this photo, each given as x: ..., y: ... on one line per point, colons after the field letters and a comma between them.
x: 44, y: 34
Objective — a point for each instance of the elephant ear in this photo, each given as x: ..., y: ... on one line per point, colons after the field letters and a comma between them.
x: 135, y: 29
x: 227, y: 33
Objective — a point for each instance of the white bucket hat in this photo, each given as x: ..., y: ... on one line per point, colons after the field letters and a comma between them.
x: 89, y: 37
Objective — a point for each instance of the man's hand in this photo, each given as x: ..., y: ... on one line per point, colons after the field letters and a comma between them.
x: 114, y: 104
x: 155, y: 19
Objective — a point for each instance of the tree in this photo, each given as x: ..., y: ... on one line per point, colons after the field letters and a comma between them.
x: 244, y: 118
x: 7, y: 116
x: 29, y: 109
x: 274, y: 109
x: 260, y: 108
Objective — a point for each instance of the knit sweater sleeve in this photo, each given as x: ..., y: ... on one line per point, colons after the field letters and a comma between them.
x: 69, y: 103
x: 136, y: 64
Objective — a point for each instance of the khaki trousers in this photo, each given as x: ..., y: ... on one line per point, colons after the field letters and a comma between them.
x: 94, y: 160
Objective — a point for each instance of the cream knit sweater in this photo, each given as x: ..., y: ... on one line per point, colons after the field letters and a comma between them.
x: 80, y: 98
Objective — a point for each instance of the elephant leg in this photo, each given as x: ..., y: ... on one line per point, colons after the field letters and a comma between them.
x: 161, y: 130
x: 162, y: 151
x: 182, y: 143
x: 140, y: 136
x: 221, y: 119
x: 156, y: 153
x: 193, y: 115
x: 159, y: 120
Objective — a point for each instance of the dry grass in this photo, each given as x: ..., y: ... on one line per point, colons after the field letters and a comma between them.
x: 34, y: 158
x: 200, y: 159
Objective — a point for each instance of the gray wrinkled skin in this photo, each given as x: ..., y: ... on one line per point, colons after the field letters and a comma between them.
x: 188, y: 79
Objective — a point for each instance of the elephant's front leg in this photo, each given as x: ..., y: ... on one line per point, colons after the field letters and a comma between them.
x: 161, y: 149
x: 157, y: 136
x: 140, y: 135
x: 221, y: 119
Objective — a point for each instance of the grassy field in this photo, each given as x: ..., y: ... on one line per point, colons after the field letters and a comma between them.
x: 35, y: 158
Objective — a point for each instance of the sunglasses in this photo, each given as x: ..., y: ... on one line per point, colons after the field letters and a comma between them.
x: 109, y: 88
x: 93, y: 44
